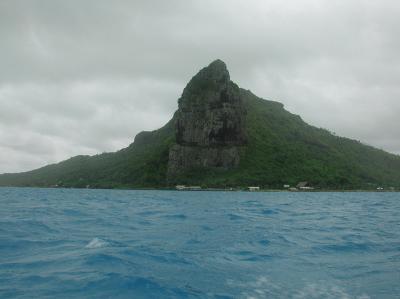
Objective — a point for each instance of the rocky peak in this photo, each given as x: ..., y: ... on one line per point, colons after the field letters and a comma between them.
x: 209, y: 123
x: 216, y: 70
x: 210, y: 110
x: 212, y: 77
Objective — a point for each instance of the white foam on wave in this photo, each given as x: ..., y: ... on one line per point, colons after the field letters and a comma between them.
x: 263, y: 287
x: 96, y: 243
x: 321, y: 291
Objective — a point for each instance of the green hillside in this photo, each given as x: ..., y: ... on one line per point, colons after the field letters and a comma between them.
x: 142, y: 164
x: 280, y: 149
x: 283, y: 149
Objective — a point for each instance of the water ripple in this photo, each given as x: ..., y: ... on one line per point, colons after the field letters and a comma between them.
x: 57, y: 243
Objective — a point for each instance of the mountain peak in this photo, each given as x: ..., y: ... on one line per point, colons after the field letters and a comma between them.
x: 218, y: 66
x: 213, y: 77
x: 216, y: 70
x: 224, y: 136
x: 209, y: 124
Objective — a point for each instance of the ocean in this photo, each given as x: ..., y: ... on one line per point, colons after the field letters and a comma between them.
x: 79, y: 243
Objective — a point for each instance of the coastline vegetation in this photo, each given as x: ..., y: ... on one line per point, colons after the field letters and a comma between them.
x: 282, y: 149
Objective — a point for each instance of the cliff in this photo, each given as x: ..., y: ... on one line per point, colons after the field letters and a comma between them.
x: 209, y: 123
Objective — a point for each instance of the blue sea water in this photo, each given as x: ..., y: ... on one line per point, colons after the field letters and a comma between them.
x: 66, y: 243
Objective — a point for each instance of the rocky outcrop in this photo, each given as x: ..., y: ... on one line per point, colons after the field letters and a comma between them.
x: 209, y: 123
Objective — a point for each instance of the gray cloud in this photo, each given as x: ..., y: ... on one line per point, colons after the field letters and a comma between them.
x: 82, y: 77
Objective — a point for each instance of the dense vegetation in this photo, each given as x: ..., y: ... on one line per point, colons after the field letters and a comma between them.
x: 281, y: 149
x: 142, y: 164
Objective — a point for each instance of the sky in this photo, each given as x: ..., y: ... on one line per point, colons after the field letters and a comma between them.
x: 84, y: 77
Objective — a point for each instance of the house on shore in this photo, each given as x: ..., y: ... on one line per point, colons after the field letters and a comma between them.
x: 187, y: 188
x: 304, y: 186
x: 253, y: 188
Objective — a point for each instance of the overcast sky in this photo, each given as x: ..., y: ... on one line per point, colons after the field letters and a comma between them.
x: 84, y: 77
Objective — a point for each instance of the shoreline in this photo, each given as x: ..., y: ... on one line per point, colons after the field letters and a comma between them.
x: 214, y: 190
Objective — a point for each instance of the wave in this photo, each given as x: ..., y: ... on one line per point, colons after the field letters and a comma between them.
x: 97, y: 243
x: 263, y: 287
x: 176, y: 216
x: 137, y: 244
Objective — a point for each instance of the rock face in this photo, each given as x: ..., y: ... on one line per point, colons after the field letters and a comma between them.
x: 209, y: 123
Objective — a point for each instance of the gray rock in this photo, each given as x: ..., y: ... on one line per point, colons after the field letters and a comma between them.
x: 209, y: 123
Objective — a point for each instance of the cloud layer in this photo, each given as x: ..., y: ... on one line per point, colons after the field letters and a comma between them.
x: 85, y: 77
